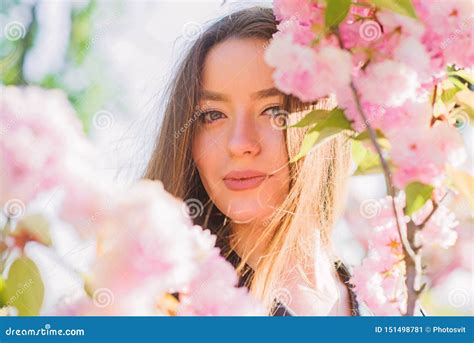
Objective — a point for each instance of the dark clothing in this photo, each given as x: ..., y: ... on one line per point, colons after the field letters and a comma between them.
x: 280, y: 309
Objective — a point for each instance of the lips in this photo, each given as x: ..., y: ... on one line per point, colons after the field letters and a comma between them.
x: 244, y: 179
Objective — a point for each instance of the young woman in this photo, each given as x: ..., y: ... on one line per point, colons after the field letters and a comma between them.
x: 221, y: 143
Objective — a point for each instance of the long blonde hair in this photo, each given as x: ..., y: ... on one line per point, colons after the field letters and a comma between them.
x: 318, y: 181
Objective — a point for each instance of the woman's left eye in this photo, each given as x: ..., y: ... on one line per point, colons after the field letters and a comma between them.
x: 273, y: 111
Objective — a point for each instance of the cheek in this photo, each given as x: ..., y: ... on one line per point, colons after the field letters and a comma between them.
x: 205, y: 153
x: 274, y: 143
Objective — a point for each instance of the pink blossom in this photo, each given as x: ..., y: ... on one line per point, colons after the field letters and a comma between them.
x: 86, y: 199
x: 387, y: 83
x: 382, y: 291
x: 34, y: 151
x: 334, y: 66
x: 439, y: 230
x: 421, y: 153
x: 412, y: 53
x: 295, y: 67
x: 448, y: 36
x: 449, y: 144
x: 150, y: 225
x: 302, y: 10
x: 385, y: 217
x: 404, y: 25
x: 379, y: 280
x: 213, y: 292
x: 413, y: 114
x: 299, y: 69
x: 300, y: 33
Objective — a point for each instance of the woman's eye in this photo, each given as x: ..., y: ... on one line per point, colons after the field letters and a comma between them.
x: 274, y: 111
x: 211, y: 116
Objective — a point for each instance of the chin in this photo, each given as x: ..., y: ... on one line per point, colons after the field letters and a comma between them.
x: 248, y: 213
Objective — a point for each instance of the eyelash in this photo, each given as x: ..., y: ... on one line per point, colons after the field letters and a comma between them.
x: 204, y: 115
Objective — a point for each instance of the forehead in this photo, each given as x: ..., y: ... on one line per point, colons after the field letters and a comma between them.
x: 237, y: 66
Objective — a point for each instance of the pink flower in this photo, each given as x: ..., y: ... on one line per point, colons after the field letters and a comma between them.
x: 302, y: 10
x: 334, y: 67
x: 300, y: 33
x: 383, y: 292
x: 87, y: 199
x: 413, y: 114
x: 379, y: 280
x: 439, y: 230
x: 299, y: 69
x: 295, y: 67
x: 387, y: 83
x: 421, y: 153
x: 151, y: 226
x: 385, y: 215
x: 404, y: 25
x: 411, y: 52
x: 449, y: 144
x: 34, y: 151
x: 213, y: 292
x: 448, y: 36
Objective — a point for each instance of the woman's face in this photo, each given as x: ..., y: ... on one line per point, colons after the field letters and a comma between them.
x: 239, y: 146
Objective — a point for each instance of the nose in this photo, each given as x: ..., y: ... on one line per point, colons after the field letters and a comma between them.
x: 244, y: 138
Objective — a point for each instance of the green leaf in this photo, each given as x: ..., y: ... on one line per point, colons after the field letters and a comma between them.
x: 457, y: 82
x: 463, y: 74
x: 365, y: 135
x: 336, y: 119
x: 312, y: 118
x: 24, y: 287
x: 315, y: 138
x: 359, y: 151
x: 368, y: 162
x: 336, y: 11
x: 448, y: 94
x: 333, y: 124
x: 403, y: 7
x: 2, y: 292
x: 417, y: 194
x: 309, y: 141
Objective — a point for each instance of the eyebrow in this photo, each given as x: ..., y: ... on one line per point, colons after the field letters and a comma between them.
x: 264, y: 93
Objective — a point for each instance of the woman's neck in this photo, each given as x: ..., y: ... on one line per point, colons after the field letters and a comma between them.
x: 247, y: 239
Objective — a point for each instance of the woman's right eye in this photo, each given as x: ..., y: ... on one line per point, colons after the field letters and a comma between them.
x: 211, y: 116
